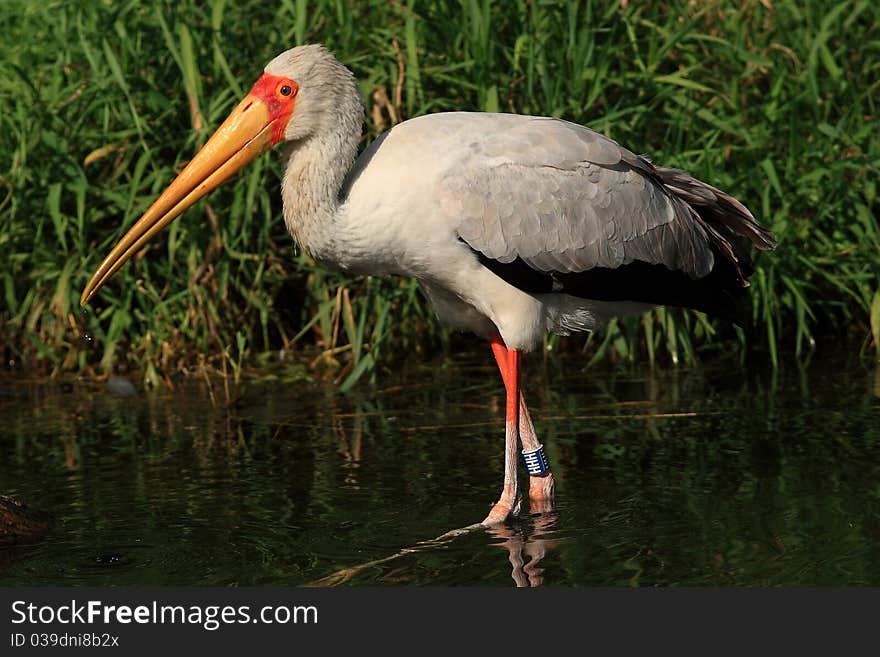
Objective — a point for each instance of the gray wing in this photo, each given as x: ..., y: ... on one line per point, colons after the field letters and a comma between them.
x: 564, y: 198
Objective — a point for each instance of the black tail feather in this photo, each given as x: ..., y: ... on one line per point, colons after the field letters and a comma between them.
x: 716, y: 207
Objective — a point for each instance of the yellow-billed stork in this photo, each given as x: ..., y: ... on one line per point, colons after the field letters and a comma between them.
x: 513, y: 225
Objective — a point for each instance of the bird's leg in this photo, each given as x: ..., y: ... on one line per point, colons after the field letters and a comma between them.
x: 508, y: 363
x: 541, y: 487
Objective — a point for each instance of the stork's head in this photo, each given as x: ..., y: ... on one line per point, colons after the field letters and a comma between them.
x: 297, y: 96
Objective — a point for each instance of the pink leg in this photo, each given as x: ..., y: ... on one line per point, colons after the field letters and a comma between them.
x: 508, y: 362
x: 542, y: 487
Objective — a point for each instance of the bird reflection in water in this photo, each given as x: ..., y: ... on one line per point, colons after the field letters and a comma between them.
x: 520, y: 541
x: 520, y: 545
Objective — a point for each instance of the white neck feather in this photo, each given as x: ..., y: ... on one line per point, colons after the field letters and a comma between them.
x: 315, y: 167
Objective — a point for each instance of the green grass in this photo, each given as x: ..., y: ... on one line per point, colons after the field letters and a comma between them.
x: 101, y: 102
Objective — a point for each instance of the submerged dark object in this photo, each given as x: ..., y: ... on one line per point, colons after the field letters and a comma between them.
x: 20, y: 524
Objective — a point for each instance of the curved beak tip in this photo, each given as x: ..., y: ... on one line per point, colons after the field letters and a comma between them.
x: 243, y: 136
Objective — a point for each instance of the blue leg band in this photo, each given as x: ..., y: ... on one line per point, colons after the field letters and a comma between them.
x: 536, y: 461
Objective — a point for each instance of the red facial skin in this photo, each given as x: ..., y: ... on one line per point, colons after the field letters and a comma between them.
x: 268, y: 89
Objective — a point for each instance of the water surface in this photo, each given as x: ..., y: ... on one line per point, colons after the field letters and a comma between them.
x: 708, y: 476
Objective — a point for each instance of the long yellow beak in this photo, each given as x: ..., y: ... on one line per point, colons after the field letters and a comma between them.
x: 245, y: 134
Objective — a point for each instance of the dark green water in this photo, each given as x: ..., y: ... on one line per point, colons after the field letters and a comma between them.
x: 716, y: 476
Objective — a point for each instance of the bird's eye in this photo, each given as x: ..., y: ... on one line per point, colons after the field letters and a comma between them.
x: 286, y: 88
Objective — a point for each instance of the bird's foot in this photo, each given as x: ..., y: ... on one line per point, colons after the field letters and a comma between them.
x: 541, y: 492
x: 507, y: 506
